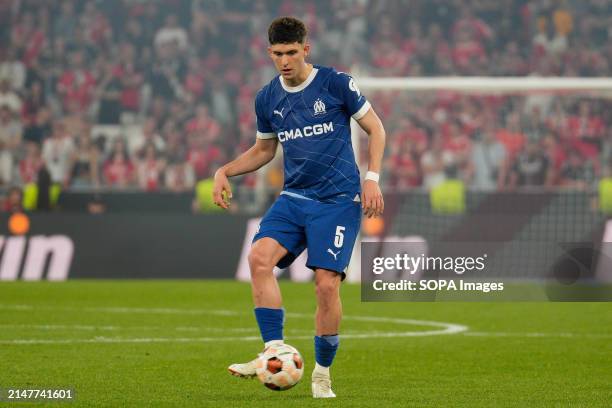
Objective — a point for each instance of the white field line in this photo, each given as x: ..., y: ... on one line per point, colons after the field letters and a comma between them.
x: 134, y: 310
x: 102, y: 339
x: 80, y: 327
x: 118, y: 340
x: 536, y: 334
x: 438, y: 328
x: 443, y: 328
x: 253, y: 330
x: 449, y: 328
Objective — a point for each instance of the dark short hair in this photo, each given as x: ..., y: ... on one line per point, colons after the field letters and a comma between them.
x: 287, y: 30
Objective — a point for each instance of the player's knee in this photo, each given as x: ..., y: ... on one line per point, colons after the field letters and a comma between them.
x: 259, y: 263
x: 327, y: 288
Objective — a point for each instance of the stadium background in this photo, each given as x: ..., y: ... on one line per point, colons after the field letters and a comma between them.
x: 126, y: 108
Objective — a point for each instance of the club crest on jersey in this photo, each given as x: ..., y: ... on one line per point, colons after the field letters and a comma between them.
x: 319, y: 107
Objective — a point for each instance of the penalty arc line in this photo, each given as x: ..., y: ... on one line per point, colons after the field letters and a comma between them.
x: 117, y: 340
x: 440, y: 328
x: 444, y: 328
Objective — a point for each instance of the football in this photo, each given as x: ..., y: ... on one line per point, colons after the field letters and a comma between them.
x: 280, y: 367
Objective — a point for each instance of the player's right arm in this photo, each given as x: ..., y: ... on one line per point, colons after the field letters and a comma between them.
x: 257, y: 156
x: 261, y: 153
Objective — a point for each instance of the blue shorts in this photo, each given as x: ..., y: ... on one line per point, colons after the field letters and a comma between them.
x: 327, y: 230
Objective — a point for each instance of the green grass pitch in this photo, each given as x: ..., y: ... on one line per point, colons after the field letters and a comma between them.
x: 154, y: 343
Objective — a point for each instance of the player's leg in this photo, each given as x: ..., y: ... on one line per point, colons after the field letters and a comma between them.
x: 264, y: 255
x: 329, y: 305
x: 331, y: 233
x: 279, y: 241
x: 327, y: 323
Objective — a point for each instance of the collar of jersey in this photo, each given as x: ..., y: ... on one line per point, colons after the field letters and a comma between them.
x: 301, y: 86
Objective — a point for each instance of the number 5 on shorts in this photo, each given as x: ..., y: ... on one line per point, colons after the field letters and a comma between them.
x: 339, y: 238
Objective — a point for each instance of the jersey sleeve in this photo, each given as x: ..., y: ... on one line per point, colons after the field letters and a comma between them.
x: 264, y: 128
x: 344, y: 86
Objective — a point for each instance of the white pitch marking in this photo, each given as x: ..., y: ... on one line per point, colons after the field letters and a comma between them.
x: 17, y: 307
x: 118, y: 340
x: 118, y: 328
x: 101, y: 339
x: 133, y: 328
x: 79, y: 327
x: 517, y: 334
x: 349, y: 334
x: 441, y: 328
x: 447, y: 328
x: 125, y: 310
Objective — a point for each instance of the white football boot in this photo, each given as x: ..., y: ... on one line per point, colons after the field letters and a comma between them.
x: 247, y: 370
x: 321, y: 383
x: 244, y: 370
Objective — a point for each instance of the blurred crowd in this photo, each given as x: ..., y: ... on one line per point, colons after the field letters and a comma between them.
x: 497, y: 142
x: 156, y: 95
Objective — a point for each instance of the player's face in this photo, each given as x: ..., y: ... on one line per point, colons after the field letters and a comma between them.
x: 289, y: 59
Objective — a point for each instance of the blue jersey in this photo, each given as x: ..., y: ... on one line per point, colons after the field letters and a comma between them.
x: 312, y: 122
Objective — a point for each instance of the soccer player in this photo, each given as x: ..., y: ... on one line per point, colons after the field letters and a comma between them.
x: 307, y: 108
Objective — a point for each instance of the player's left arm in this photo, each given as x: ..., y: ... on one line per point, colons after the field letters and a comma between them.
x: 372, y: 200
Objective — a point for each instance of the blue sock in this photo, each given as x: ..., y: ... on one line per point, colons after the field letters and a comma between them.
x: 325, y: 349
x: 270, y: 322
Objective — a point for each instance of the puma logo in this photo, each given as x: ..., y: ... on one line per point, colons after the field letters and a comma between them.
x: 279, y: 113
x: 335, y: 255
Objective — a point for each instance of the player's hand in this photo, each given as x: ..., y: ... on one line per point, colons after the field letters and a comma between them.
x: 222, y: 191
x: 371, y: 199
